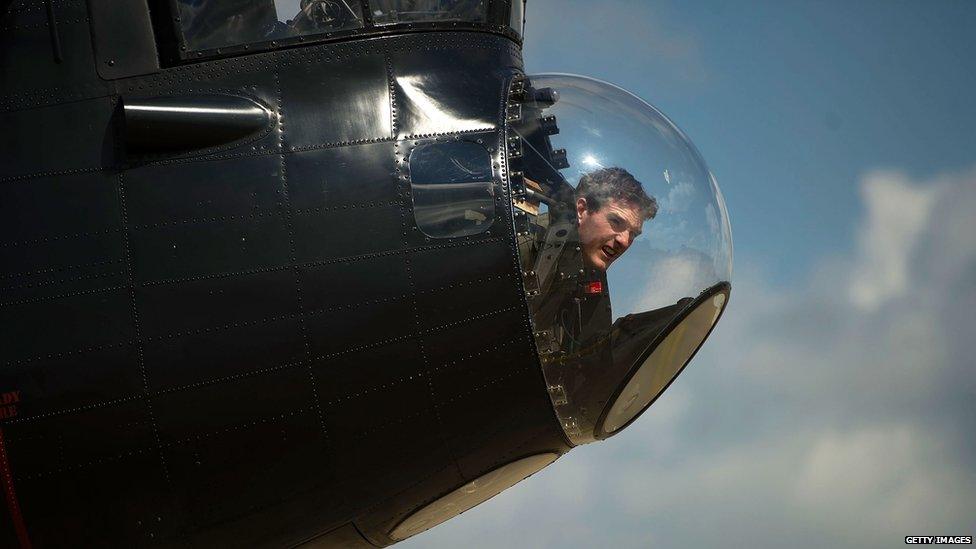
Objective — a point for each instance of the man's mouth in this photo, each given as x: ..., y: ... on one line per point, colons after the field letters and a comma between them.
x: 609, y: 252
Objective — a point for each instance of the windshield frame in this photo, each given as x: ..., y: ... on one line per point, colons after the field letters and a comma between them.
x: 496, y: 21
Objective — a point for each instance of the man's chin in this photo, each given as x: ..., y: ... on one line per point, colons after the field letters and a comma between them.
x: 598, y: 263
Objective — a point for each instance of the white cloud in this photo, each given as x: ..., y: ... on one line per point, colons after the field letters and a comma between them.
x: 673, y: 276
x: 679, y: 198
x: 897, y: 213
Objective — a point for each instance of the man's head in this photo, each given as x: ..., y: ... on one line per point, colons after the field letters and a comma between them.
x: 611, y: 207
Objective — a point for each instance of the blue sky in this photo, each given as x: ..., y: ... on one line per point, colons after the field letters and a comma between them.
x: 789, y: 102
x: 836, y: 401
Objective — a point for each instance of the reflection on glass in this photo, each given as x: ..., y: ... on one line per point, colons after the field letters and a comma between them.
x: 217, y: 24
x: 389, y: 12
x: 451, y: 184
x: 517, y: 16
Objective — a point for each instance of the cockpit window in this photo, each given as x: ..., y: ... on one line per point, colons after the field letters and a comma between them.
x: 209, y: 24
x: 452, y: 188
x: 389, y: 12
x: 624, y: 245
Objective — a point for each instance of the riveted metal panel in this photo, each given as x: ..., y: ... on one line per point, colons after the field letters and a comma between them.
x: 287, y: 467
x: 60, y: 383
x: 342, y: 178
x: 331, y: 103
x: 94, y: 319
x: 118, y: 497
x: 46, y: 54
x: 216, y: 303
x: 172, y: 254
x: 80, y: 135
x: 123, y: 37
x: 246, y: 188
x: 451, y: 92
x: 212, y: 355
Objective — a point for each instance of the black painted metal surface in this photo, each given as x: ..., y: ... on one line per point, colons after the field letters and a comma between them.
x: 122, y: 37
x: 251, y: 344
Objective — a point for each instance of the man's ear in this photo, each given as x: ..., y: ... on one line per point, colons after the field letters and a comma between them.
x: 580, y: 208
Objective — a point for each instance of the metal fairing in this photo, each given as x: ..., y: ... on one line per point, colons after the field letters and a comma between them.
x: 252, y: 343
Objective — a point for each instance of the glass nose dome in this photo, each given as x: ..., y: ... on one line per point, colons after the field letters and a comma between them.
x: 624, y: 243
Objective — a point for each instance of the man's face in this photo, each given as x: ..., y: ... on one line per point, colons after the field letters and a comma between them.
x: 605, y: 234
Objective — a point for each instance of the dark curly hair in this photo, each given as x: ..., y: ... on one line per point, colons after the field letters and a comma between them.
x: 600, y: 186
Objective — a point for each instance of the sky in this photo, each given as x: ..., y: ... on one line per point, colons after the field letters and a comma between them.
x: 835, y: 403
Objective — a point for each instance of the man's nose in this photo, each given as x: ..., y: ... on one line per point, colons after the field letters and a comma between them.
x: 623, y: 239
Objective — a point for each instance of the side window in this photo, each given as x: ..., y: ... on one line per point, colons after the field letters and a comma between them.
x: 389, y: 12
x: 452, y: 188
x: 208, y: 24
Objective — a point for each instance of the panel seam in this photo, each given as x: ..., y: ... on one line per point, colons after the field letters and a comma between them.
x: 137, y: 332
x: 316, y: 404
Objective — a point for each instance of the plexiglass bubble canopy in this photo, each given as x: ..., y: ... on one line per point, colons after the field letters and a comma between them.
x: 625, y: 246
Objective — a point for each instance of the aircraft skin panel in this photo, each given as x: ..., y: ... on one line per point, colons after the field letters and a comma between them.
x: 73, y: 146
x: 31, y: 76
x: 372, y: 238
x: 445, y: 93
x: 318, y: 178
x: 335, y: 102
x: 228, y: 304
x: 79, y: 381
x: 46, y: 283
x: 254, y: 343
x: 79, y: 321
x: 88, y: 201
x: 184, y: 253
x: 163, y: 195
x: 327, y: 284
